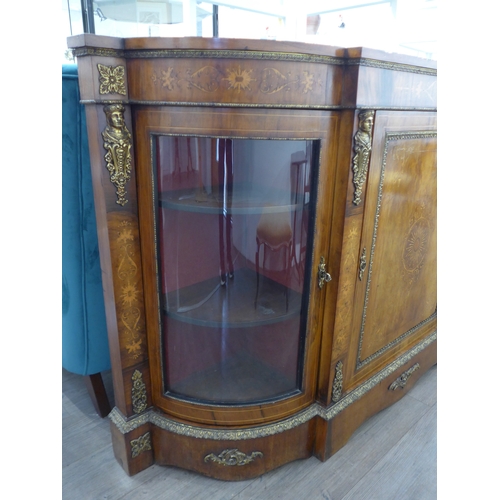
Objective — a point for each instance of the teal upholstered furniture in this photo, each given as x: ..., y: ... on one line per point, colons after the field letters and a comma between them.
x: 85, y: 349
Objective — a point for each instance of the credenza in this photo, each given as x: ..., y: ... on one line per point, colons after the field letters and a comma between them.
x: 267, y: 234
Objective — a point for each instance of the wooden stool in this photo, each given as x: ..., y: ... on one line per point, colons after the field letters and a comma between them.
x: 274, y: 232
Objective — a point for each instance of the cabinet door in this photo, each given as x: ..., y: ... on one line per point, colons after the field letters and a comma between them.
x: 232, y: 229
x: 395, y: 298
x: 228, y: 219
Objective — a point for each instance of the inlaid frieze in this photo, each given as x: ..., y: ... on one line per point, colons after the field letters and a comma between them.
x: 209, y: 79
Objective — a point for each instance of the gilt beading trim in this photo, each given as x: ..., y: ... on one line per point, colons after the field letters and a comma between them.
x: 232, y: 54
x: 393, y: 66
x: 319, y: 107
x: 98, y: 51
x: 315, y: 410
x: 244, y: 54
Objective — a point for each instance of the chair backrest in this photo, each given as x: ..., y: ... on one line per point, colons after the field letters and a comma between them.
x: 85, y: 348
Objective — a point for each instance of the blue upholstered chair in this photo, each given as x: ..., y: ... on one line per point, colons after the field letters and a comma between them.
x: 85, y: 349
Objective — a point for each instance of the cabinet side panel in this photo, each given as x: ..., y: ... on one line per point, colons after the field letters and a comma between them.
x: 380, y: 87
x: 118, y: 235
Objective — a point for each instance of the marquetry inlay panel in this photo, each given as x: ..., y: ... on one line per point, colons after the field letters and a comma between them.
x: 129, y: 296
x: 231, y: 81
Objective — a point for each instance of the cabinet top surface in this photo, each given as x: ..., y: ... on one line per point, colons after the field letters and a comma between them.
x: 233, y: 44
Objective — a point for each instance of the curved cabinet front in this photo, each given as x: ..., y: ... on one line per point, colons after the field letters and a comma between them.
x: 228, y: 219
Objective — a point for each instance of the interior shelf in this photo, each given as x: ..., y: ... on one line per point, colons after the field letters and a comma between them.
x: 239, y: 202
x: 240, y: 379
x: 232, y: 305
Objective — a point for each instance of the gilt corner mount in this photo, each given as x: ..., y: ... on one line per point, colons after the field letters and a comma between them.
x: 362, y: 148
x: 117, y: 143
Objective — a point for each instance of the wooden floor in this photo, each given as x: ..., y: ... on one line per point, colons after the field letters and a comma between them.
x: 392, y: 456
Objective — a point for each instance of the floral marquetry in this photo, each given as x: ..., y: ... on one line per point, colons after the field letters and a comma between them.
x: 129, y: 299
x: 274, y: 81
x: 416, y: 245
x: 166, y: 78
x: 239, y: 79
x: 210, y: 79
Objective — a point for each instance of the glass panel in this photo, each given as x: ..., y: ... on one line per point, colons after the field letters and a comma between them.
x: 232, y: 230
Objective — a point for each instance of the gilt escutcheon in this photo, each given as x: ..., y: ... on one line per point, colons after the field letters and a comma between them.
x: 400, y: 382
x: 323, y: 276
x: 362, y: 264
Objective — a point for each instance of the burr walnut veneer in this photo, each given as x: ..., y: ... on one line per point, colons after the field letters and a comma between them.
x: 267, y: 233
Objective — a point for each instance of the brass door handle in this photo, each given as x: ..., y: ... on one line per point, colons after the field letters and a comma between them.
x: 323, y: 276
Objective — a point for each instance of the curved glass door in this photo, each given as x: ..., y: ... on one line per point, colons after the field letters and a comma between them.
x: 233, y: 235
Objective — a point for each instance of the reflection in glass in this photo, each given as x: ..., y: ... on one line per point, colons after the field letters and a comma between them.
x: 233, y: 221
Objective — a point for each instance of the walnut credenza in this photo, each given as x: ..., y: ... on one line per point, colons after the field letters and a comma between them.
x: 267, y: 233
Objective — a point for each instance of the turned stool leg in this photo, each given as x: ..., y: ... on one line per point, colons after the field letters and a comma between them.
x: 97, y: 393
x: 257, y: 269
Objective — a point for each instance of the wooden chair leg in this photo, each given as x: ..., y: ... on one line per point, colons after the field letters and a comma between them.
x: 97, y: 393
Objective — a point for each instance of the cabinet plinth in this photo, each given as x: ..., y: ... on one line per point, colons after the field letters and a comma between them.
x: 267, y: 235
